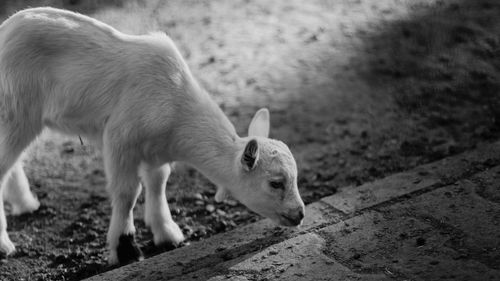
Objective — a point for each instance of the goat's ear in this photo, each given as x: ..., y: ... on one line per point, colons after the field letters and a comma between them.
x: 250, y: 155
x: 259, y: 127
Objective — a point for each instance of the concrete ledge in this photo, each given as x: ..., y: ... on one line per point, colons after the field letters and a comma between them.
x: 440, y: 173
x: 246, y: 252
x: 220, y: 248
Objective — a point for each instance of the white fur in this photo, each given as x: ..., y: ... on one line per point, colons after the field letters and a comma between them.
x: 17, y: 192
x: 135, y: 96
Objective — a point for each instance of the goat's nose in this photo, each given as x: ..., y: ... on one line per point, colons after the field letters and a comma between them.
x: 301, y: 215
x: 298, y: 216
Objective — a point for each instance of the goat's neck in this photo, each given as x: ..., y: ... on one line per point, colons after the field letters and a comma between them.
x: 208, y: 142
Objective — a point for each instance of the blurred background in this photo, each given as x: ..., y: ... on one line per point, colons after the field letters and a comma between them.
x: 359, y: 89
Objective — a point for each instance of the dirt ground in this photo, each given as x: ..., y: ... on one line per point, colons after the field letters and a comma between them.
x: 359, y: 89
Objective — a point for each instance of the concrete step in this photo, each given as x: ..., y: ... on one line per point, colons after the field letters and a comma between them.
x: 437, y: 221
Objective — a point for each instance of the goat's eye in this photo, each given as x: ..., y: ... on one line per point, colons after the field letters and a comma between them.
x: 277, y: 184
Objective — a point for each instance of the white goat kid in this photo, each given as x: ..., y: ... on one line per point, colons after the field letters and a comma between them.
x: 136, y: 98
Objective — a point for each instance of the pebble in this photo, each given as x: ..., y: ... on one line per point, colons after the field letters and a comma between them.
x: 93, y: 234
x: 221, y: 212
x: 231, y: 202
x: 210, y: 208
x: 198, y: 196
x: 187, y: 230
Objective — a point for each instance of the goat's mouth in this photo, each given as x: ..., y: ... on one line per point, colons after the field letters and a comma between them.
x: 286, y: 220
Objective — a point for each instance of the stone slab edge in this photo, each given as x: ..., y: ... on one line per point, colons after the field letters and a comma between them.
x: 429, y: 176
x: 329, y: 210
x: 222, y: 247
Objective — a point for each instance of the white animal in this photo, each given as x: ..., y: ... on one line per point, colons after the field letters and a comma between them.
x: 136, y: 98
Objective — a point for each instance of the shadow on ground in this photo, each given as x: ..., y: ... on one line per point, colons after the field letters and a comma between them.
x: 417, y: 87
x: 442, y: 67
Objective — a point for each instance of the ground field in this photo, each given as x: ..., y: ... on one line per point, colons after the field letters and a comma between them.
x: 359, y: 89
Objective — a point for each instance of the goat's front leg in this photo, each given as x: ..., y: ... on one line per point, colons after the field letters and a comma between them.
x: 157, y: 214
x: 124, y: 188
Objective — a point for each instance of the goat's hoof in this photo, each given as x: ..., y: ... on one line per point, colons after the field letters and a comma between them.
x: 127, y: 251
x: 6, y: 246
x: 28, y: 206
x: 168, y: 233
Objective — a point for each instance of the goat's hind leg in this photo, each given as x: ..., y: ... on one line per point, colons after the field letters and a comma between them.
x: 17, y: 192
x: 13, y: 140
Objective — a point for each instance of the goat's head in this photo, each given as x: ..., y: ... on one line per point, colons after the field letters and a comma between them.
x: 267, y: 181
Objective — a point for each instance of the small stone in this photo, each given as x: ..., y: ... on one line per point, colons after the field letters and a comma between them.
x: 231, y: 203
x: 187, y: 230
x: 198, y: 196
x: 199, y: 202
x: 91, y: 235
x: 220, y: 212
x: 210, y: 208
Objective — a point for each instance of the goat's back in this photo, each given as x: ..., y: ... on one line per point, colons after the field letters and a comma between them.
x: 72, y: 72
